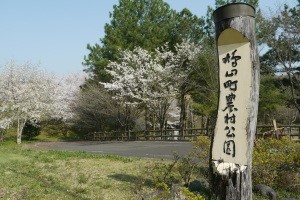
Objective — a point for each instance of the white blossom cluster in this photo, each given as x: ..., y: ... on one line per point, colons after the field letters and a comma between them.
x: 28, y: 93
x: 140, y: 76
x: 67, y: 90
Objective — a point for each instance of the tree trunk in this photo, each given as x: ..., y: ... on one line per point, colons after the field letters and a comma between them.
x: 292, y: 88
x: 162, y: 112
x: 192, y: 119
x: 128, y: 121
x: 182, y: 119
x: 154, y: 120
x: 146, y: 122
x: 21, y: 124
x: 232, y: 141
x: 1, y: 135
x: 207, y: 125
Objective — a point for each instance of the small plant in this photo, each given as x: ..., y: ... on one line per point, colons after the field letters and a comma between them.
x: 163, y: 172
x: 201, y: 152
x: 164, y: 175
x: 190, y: 195
x: 83, y: 178
x: 201, y: 148
x: 186, y: 168
x: 80, y: 190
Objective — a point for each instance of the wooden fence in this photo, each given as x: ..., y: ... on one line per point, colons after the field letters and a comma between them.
x: 291, y: 131
x: 166, y: 134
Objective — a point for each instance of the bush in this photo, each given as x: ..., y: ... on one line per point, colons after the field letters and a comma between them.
x: 181, y: 171
x: 201, y: 152
x: 55, y: 128
x: 190, y: 195
x: 276, y: 163
x: 164, y: 172
x: 31, y: 130
x: 187, y: 168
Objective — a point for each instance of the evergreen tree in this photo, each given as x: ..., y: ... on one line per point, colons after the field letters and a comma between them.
x: 281, y: 34
x: 147, y: 24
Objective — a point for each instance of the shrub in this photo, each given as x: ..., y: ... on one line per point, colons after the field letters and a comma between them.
x: 201, y: 152
x: 276, y: 164
x: 164, y: 172
x: 190, y: 195
x: 186, y: 168
x: 56, y: 128
x: 182, y: 170
x: 31, y: 130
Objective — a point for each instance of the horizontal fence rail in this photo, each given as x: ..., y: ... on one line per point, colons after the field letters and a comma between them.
x: 290, y: 131
x: 262, y: 131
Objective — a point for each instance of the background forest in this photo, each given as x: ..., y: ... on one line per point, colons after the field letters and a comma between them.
x: 155, y: 68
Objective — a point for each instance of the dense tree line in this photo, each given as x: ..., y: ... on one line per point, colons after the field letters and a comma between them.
x: 155, y: 68
x: 146, y: 26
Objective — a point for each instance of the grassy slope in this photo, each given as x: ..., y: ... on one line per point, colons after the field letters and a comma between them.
x: 32, y: 174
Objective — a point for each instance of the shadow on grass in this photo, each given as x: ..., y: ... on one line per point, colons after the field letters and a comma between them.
x: 125, y: 178
x: 131, y: 179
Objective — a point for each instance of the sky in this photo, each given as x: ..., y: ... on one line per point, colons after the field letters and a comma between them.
x: 55, y: 33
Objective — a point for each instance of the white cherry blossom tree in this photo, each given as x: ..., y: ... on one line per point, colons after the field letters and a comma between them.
x: 152, y: 79
x: 67, y: 90
x: 28, y: 93
x: 186, y: 54
x: 140, y: 78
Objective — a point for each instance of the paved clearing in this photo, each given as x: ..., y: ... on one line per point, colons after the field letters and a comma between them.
x: 150, y: 149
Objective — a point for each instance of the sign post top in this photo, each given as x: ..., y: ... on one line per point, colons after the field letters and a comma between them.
x: 233, y: 10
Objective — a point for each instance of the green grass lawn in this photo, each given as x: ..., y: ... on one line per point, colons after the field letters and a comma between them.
x: 39, y: 174
x: 35, y: 174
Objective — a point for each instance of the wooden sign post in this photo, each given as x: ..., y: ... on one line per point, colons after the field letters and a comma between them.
x: 232, y: 144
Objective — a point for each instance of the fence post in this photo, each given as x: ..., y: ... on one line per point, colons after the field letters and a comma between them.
x: 233, y: 138
x: 275, y: 129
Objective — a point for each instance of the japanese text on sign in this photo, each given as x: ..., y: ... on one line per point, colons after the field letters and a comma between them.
x: 230, y: 141
x: 230, y: 86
